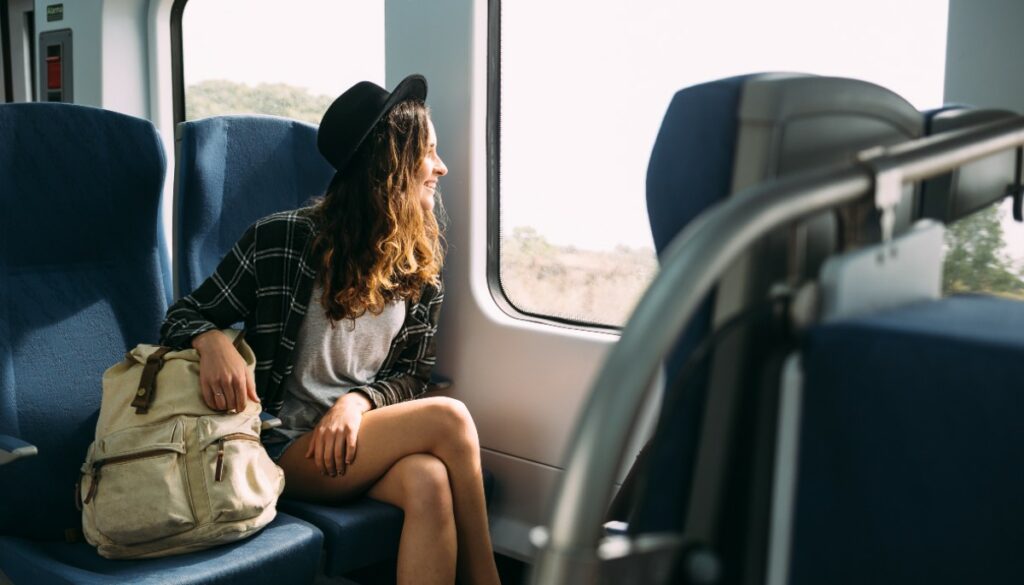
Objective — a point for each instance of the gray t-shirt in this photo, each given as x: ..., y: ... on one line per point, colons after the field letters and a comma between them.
x: 331, y: 358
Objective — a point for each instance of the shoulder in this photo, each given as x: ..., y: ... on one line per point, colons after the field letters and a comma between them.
x: 285, y: 226
x: 432, y: 294
x: 302, y: 217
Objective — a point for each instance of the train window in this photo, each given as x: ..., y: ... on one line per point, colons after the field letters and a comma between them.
x: 584, y: 86
x: 258, y: 57
x: 985, y: 254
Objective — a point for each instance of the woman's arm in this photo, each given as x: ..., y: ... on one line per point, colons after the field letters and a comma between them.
x: 226, y: 297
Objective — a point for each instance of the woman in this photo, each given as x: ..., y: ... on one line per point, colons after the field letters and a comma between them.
x: 341, y: 303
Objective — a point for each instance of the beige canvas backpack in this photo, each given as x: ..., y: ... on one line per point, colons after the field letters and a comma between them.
x: 166, y: 474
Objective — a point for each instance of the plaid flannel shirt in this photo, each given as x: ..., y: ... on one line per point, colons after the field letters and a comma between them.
x: 266, y: 281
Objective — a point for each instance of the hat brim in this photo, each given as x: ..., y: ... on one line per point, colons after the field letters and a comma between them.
x: 412, y: 87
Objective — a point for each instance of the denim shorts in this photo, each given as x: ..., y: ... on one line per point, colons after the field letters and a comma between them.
x: 276, y: 444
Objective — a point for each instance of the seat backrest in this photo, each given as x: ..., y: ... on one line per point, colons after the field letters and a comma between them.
x: 974, y: 186
x: 909, y: 416
x: 231, y: 171
x: 908, y: 443
x: 716, y: 140
x: 83, y: 278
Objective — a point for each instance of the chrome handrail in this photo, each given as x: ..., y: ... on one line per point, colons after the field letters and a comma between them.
x: 690, y: 267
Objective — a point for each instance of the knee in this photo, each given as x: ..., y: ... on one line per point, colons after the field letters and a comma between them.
x: 455, y: 423
x: 426, y: 490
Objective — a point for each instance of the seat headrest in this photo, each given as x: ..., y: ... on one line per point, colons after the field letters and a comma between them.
x: 973, y: 186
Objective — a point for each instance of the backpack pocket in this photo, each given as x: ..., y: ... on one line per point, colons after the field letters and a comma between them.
x: 241, y: 479
x: 136, y: 484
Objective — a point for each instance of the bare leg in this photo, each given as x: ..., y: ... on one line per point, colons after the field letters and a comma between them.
x: 441, y: 427
x: 418, y: 484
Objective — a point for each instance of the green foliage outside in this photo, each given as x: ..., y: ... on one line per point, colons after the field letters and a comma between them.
x: 219, y: 97
x: 976, y: 260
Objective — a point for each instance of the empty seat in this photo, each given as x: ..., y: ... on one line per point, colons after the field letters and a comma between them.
x: 716, y: 140
x: 910, y: 419
x: 83, y: 278
x: 909, y: 447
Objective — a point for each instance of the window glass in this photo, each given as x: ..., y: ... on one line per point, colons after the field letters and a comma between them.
x: 584, y: 86
x: 285, y: 59
x: 985, y: 253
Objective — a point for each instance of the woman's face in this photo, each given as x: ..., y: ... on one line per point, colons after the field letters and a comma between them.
x: 429, y: 171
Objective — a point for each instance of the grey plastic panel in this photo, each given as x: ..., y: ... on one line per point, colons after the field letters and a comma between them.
x: 971, y: 187
x: 793, y: 122
x: 875, y: 278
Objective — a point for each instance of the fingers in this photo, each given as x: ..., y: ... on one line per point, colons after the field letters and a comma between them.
x: 219, y: 400
x: 350, y: 447
x: 208, y: 396
x: 329, y: 468
x: 318, y: 450
x: 225, y: 394
x: 332, y: 444
x: 225, y: 380
x: 339, y: 455
x: 331, y: 452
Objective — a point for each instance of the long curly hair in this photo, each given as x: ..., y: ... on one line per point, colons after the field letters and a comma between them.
x: 376, y: 243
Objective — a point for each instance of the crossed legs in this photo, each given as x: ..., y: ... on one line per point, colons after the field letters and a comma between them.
x: 424, y: 457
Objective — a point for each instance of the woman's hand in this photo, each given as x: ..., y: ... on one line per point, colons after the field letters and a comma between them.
x: 333, y: 445
x: 224, y: 378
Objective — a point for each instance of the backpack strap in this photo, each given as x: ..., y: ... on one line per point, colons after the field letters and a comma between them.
x: 147, y: 384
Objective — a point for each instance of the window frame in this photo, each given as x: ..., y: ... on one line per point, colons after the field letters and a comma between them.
x: 498, y: 294
x: 5, y: 51
x: 493, y: 147
x: 177, y: 62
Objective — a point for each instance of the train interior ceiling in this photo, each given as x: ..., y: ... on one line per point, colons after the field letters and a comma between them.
x: 732, y: 288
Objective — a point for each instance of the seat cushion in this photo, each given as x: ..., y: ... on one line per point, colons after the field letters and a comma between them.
x: 286, y: 551
x: 359, y: 533
x: 910, y: 447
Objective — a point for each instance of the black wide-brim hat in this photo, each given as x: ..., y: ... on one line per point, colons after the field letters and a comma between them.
x: 352, y: 116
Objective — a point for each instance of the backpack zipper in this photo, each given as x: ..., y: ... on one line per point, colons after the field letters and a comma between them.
x: 98, y: 465
x: 218, y: 474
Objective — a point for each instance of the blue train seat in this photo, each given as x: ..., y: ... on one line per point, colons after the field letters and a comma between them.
x: 83, y: 278
x: 716, y: 140
x: 909, y: 444
x: 231, y: 171
x: 910, y: 421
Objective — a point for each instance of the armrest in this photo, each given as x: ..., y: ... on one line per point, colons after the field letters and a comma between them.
x: 268, y: 421
x: 12, y: 448
x: 438, y: 382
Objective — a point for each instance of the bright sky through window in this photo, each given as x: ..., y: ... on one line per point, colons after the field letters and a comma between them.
x: 585, y: 86
x: 324, y: 46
